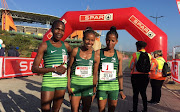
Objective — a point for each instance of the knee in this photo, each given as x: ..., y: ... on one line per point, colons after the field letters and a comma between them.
x: 45, y: 110
x: 112, y: 105
x: 101, y: 109
x: 45, y: 107
x: 74, y: 108
x: 55, y: 110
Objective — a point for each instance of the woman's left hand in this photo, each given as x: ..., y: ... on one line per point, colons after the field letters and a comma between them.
x: 122, y: 95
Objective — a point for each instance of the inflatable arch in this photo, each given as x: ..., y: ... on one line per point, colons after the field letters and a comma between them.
x: 130, y: 19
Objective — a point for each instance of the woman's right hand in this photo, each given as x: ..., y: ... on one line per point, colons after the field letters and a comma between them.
x: 61, y: 69
x: 70, y: 90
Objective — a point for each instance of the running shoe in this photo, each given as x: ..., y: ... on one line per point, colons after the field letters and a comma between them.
x: 156, y: 103
x: 150, y: 101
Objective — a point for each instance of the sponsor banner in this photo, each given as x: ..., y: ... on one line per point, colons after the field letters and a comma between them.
x: 175, y: 70
x: 142, y: 27
x: 178, y: 5
x: 17, y: 66
x: 96, y: 17
x: 1, y: 66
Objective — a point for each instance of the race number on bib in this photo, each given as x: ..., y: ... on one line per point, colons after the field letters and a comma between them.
x: 83, y: 71
x: 107, y: 66
x: 54, y: 74
x: 107, y: 75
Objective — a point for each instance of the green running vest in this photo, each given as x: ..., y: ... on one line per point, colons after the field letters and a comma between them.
x: 108, y: 70
x: 82, y: 72
x: 54, y: 57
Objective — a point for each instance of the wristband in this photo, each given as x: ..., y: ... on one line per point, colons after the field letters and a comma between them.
x: 120, y: 90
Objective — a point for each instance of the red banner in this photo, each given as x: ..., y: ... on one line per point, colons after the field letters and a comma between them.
x: 175, y: 70
x: 178, y: 5
x: 16, y: 66
x: 1, y: 67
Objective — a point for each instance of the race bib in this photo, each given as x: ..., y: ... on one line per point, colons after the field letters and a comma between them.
x: 107, y: 75
x: 54, y: 74
x: 107, y: 66
x: 83, y: 71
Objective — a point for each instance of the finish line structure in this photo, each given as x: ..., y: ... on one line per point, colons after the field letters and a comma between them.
x: 129, y: 19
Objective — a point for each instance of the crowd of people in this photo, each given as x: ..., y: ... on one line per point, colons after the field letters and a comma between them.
x: 12, y: 52
x: 86, y: 73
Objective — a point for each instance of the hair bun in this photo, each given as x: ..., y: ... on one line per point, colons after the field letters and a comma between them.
x: 113, y: 28
x: 89, y: 28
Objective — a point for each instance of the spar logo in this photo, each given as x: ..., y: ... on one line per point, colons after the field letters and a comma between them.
x: 49, y: 35
x: 64, y: 21
x: 96, y: 17
x: 142, y: 27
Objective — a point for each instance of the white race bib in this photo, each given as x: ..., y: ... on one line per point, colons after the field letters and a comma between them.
x: 107, y: 75
x: 54, y: 74
x: 83, y: 71
x: 107, y: 66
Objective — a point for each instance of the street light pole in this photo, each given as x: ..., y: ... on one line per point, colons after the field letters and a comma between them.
x: 157, y: 17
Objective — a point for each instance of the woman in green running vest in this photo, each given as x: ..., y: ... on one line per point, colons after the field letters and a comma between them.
x: 110, y: 77
x: 54, y: 54
x: 80, y: 73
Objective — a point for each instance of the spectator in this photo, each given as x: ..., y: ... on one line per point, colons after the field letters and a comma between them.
x: 12, y: 52
x: 2, y: 51
x: 34, y: 53
x: 139, y: 79
x: 156, y: 78
x: 17, y: 52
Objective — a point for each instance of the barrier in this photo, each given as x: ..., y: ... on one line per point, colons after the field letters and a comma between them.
x: 16, y: 66
x: 130, y: 19
x: 175, y: 69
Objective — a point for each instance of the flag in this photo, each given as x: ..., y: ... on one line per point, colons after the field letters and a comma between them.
x: 178, y: 5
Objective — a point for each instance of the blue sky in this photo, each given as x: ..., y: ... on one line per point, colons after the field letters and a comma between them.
x: 170, y: 23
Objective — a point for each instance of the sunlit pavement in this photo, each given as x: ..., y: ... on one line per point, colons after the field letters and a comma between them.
x: 23, y: 94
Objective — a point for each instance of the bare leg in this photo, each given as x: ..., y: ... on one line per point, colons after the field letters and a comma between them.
x: 75, y: 100
x: 102, y: 105
x: 58, y: 99
x: 112, y: 105
x: 86, y: 101
x: 46, y: 100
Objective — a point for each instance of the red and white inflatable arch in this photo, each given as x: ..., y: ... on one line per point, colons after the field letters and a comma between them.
x: 130, y: 19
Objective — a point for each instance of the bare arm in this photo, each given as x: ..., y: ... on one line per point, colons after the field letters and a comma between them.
x: 71, y: 61
x: 35, y: 68
x: 68, y: 47
x: 95, y: 71
x: 120, y: 75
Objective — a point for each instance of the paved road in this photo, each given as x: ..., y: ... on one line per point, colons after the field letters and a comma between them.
x: 23, y: 95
